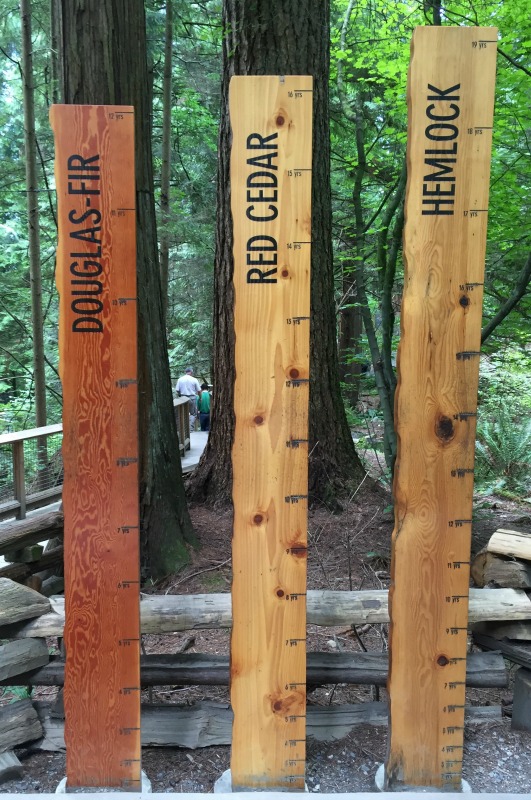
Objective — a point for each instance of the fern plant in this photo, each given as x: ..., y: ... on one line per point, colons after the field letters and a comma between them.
x: 503, y: 452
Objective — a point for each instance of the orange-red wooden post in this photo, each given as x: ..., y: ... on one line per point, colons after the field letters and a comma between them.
x: 96, y: 279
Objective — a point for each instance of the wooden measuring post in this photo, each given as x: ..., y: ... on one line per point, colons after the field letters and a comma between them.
x: 96, y: 279
x: 271, y: 165
x: 450, y: 98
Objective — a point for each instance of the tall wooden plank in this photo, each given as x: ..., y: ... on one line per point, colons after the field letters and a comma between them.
x: 96, y: 279
x: 271, y: 164
x: 450, y: 99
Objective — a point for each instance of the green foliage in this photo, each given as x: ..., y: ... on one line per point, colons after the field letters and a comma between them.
x: 503, y: 452
x: 505, y: 377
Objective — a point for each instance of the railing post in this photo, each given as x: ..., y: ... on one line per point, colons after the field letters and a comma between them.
x: 19, y: 479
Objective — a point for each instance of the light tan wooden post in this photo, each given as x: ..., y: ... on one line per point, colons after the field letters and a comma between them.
x: 450, y: 99
x: 271, y: 163
x: 96, y: 279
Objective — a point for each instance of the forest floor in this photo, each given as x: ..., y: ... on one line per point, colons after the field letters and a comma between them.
x: 347, y: 550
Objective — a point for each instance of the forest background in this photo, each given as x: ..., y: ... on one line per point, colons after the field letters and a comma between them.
x: 369, y: 54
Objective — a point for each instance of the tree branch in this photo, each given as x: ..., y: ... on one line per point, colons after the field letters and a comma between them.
x: 517, y: 294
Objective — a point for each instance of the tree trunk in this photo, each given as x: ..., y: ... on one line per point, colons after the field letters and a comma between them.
x: 33, y: 225
x: 350, y: 332
x: 274, y: 38
x: 166, y: 156
x: 56, y: 66
x: 105, y: 63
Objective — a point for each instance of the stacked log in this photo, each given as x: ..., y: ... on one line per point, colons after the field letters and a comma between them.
x: 27, y: 618
x: 29, y: 562
x: 506, y: 562
x: 19, y: 722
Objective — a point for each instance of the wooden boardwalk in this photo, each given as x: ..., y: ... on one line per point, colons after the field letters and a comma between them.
x: 190, y: 460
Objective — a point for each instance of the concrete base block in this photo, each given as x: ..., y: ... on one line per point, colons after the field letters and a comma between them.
x: 63, y: 789
x: 223, y: 785
x: 380, y: 778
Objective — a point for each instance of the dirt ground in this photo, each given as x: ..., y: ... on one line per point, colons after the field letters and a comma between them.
x: 347, y: 550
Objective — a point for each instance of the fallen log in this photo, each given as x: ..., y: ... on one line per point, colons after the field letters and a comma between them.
x: 199, y: 669
x: 501, y: 571
x: 510, y: 543
x: 173, y: 613
x: 20, y: 656
x: 20, y: 533
x: 19, y: 723
x: 207, y: 724
x: 517, y: 653
x: 19, y: 603
x: 519, y: 630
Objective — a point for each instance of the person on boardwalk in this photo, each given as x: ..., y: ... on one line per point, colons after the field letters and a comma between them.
x: 204, y: 407
x: 188, y: 386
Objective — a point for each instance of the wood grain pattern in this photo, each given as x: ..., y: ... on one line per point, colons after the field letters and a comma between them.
x: 271, y: 161
x: 450, y: 100
x: 510, y: 543
x: 96, y: 279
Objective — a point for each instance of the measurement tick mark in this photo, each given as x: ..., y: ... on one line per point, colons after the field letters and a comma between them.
x: 296, y: 382
x: 294, y: 443
x: 460, y: 472
x: 126, y: 584
x: 126, y: 461
x: 463, y: 416
x: 123, y: 383
x: 128, y: 528
x: 294, y: 498
x: 296, y: 320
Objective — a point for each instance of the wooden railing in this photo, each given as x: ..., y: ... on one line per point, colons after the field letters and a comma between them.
x: 26, y: 481
x: 181, y: 408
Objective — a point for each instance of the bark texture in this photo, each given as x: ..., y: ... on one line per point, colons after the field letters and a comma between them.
x: 275, y: 37
x: 104, y: 58
x: 32, y: 196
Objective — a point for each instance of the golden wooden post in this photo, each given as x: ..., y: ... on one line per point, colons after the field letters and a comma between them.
x: 271, y: 164
x: 450, y: 100
x: 96, y: 279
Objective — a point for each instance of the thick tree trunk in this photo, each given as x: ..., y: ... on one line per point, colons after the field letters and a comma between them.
x: 272, y: 37
x: 104, y: 48
x: 33, y: 224
x: 166, y: 156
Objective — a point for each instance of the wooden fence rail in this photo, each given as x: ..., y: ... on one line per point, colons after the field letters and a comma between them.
x: 173, y: 613
x: 201, y: 669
